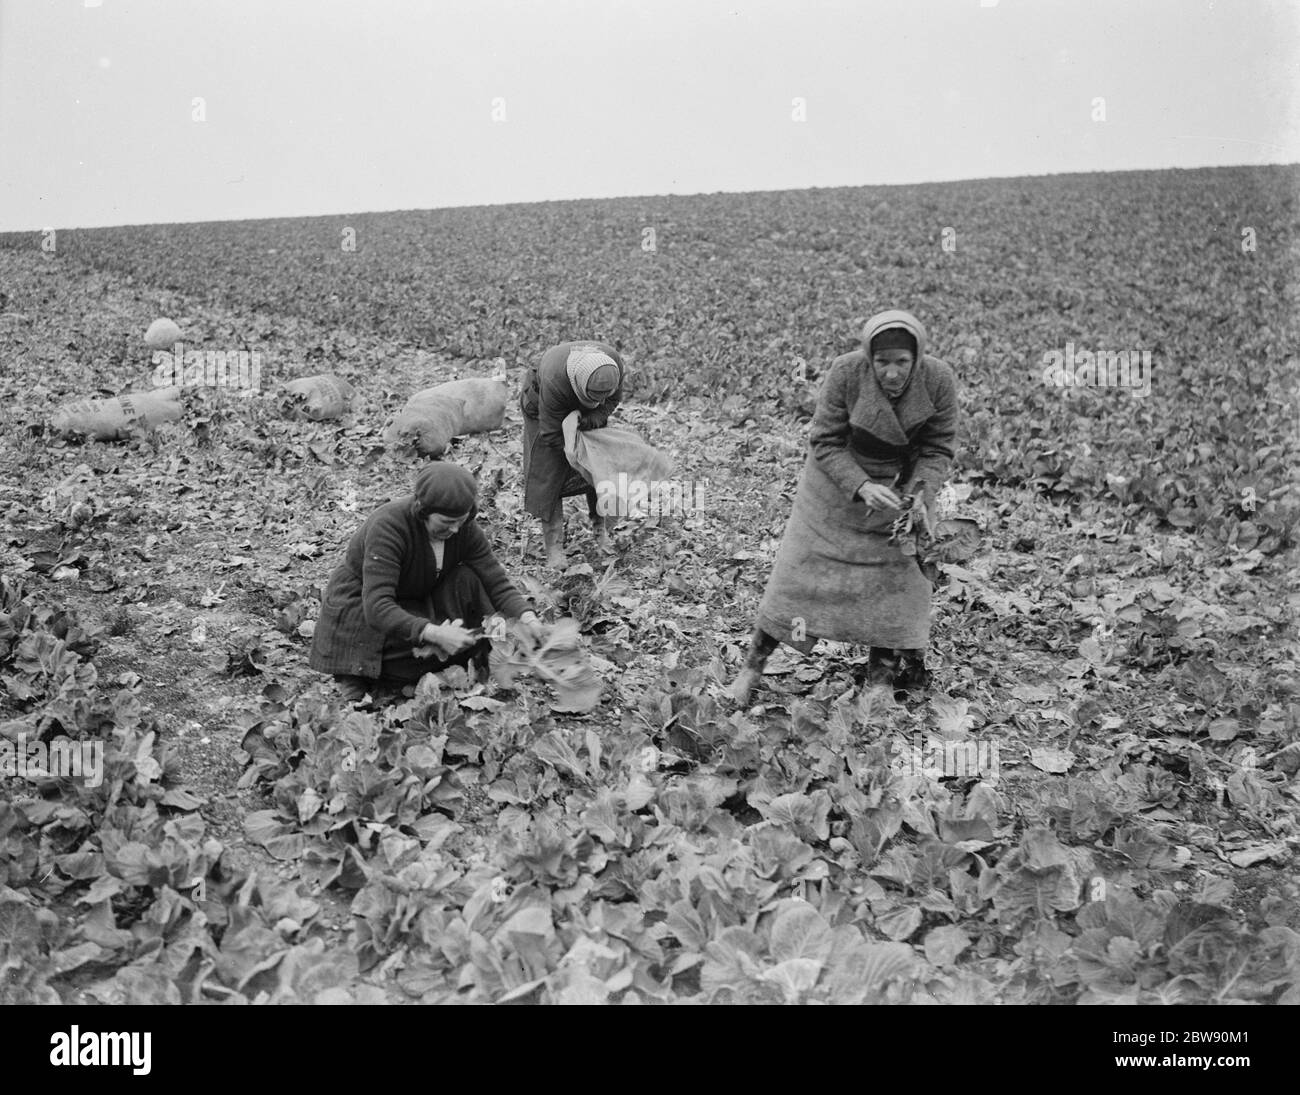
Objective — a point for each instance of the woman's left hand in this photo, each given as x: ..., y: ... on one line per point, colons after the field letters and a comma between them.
x: 531, y: 626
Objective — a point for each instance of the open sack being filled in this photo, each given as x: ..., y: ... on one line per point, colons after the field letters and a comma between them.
x: 628, y: 473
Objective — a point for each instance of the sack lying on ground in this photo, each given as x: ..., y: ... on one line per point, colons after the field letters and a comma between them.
x: 433, y: 416
x: 320, y: 397
x: 163, y: 334
x: 613, y: 459
x: 113, y: 419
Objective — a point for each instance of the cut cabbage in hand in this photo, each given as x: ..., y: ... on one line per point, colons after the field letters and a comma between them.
x: 559, y: 660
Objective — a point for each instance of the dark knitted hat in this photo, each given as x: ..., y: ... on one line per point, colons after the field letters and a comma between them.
x: 444, y: 488
x: 894, y: 338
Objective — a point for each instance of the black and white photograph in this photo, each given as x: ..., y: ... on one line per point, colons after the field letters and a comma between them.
x: 633, y: 502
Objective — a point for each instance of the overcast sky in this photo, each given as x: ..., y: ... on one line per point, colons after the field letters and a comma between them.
x: 144, y: 111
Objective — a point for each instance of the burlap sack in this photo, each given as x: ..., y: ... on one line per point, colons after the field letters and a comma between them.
x: 614, y: 458
x: 113, y: 419
x: 320, y: 397
x: 433, y: 416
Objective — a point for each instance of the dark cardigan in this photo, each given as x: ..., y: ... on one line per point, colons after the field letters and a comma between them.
x: 379, y: 594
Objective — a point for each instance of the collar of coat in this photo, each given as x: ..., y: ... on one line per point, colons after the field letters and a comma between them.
x: 873, y: 412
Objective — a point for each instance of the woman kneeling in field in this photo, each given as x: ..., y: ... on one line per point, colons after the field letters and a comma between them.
x: 887, y: 414
x: 574, y: 376
x: 415, y: 561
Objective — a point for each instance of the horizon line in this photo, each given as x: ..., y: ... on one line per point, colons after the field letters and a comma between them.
x: 627, y: 197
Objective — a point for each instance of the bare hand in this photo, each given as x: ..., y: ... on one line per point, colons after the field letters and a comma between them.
x: 878, y: 496
x: 451, y: 638
x: 531, y: 626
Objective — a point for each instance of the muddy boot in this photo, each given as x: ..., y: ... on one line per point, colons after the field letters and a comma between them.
x: 743, y: 686
x: 760, y: 649
x: 913, y: 678
x: 600, y: 529
x: 553, y: 541
x: 882, y: 668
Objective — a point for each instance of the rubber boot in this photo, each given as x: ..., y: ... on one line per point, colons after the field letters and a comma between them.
x: 760, y: 649
x: 744, y: 684
x: 882, y: 668
x: 912, y: 676
x: 553, y: 541
x: 600, y: 529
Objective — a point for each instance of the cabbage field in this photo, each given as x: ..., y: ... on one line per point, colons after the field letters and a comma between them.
x: 1117, y: 654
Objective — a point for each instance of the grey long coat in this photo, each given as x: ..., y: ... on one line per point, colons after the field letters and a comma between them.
x: 836, y: 575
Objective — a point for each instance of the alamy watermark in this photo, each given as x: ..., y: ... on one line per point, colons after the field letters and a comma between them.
x: 179, y: 367
x: 114, y: 1049
x: 624, y: 497
x: 1073, y: 368
x: 63, y: 758
x: 965, y: 758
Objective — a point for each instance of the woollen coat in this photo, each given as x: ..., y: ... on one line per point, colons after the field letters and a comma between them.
x: 379, y: 599
x: 836, y: 575
x: 547, y: 399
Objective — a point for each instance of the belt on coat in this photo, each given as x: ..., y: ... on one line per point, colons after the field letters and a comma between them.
x: 880, y: 465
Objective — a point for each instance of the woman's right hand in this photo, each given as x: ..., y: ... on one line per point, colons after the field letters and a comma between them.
x: 878, y: 496
x: 450, y: 638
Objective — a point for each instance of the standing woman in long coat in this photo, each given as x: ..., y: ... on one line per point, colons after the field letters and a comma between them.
x: 885, y: 428
x: 414, y: 586
x: 574, y: 376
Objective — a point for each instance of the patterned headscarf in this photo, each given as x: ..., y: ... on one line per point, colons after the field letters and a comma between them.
x: 593, y: 376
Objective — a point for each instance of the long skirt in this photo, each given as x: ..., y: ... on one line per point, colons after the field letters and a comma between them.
x: 549, y: 478
x: 838, y: 577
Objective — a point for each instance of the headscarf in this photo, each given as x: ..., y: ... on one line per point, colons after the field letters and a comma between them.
x: 446, y: 489
x: 592, y: 374
x: 894, y: 338
x: 885, y: 323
